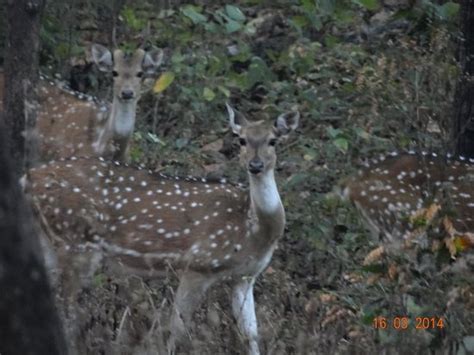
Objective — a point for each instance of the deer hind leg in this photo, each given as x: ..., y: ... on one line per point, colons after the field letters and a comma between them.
x: 191, y: 290
x: 243, y: 307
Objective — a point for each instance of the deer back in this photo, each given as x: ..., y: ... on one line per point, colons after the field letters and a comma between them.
x: 391, y: 189
x: 146, y: 220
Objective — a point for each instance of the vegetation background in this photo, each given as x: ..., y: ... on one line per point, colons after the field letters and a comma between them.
x: 368, y: 77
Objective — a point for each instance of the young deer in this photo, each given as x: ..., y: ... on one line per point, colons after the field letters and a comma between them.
x: 209, y: 231
x: 70, y: 123
x: 128, y: 72
x: 392, y: 188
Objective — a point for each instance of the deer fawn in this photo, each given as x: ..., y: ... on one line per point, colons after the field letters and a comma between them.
x: 394, y: 187
x: 128, y: 72
x: 210, y: 231
x: 74, y: 124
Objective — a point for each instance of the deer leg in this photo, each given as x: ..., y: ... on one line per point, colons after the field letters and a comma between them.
x: 100, y: 145
x: 191, y: 290
x: 243, y: 308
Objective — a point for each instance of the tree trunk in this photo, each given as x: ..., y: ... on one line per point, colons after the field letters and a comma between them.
x: 464, y: 100
x: 21, y: 76
x: 29, y: 322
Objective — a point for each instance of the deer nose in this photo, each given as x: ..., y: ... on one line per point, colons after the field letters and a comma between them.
x: 255, y: 166
x: 127, y: 94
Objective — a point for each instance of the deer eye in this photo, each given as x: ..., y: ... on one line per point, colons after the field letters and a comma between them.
x: 272, y: 142
x: 242, y: 141
x: 140, y: 74
x: 114, y: 73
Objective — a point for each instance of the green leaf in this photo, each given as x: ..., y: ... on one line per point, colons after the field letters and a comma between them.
x: 368, y: 4
x: 193, y: 13
x: 232, y: 26
x: 234, y: 13
x: 375, y: 268
x: 333, y: 132
x: 163, y: 82
x: 208, y: 94
x: 154, y: 138
x: 449, y: 10
x: 469, y: 342
x: 181, y: 142
x: 224, y: 90
x: 412, y: 307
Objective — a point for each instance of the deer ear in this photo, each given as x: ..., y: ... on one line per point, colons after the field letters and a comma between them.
x: 236, y: 120
x: 152, y: 60
x: 286, y: 122
x: 102, y: 57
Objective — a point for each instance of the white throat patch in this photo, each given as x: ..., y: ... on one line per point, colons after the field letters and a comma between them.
x: 124, y: 118
x: 264, y: 192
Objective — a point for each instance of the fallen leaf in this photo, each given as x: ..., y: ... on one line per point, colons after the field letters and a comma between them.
x: 374, y: 255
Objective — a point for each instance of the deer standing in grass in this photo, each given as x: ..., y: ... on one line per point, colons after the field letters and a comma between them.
x: 209, y: 231
x: 392, y: 188
x: 70, y: 123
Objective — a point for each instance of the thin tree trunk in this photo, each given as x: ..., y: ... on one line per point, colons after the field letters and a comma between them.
x: 29, y: 322
x: 464, y: 100
x: 21, y: 75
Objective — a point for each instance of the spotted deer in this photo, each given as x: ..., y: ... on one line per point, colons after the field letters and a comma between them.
x: 392, y: 188
x: 146, y: 222
x: 75, y: 124
x: 128, y: 72
x: 66, y: 120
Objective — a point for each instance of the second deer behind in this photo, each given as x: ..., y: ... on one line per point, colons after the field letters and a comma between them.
x: 128, y: 71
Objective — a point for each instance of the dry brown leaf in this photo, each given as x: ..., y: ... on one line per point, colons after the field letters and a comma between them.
x: 334, y: 314
x: 312, y: 306
x: 448, y: 226
x: 214, y: 146
x: 327, y: 298
x: 270, y: 270
x: 392, y: 271
x: 353, y: 277
x: 372, y: 279
x: 374, y: 255
x: 432, y: 211
x: 449, y: 242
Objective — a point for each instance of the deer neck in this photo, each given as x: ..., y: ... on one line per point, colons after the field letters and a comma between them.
x: 266, y: 207
x: 122, y: 117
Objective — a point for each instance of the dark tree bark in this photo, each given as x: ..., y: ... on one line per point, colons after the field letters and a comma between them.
x: 29, y: 322
x: 21, y: 76
x: 464, y: 99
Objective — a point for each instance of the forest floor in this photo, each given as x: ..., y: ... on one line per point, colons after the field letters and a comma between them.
x: 364, y: 86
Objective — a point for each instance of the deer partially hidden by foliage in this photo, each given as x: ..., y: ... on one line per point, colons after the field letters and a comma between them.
x: 146, y: 222
x: 71, y: 123
x: 392, y: 191
x: 128, y: 72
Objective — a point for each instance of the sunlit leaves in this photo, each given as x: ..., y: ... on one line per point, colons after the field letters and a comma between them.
x: 163, y: 82
x: 208, y: 94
